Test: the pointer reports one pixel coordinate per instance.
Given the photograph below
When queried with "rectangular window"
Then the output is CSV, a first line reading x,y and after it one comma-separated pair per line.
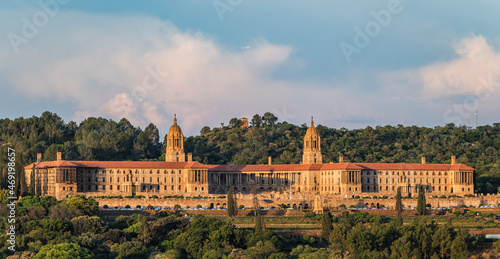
x,y
118,187
111,187
104,187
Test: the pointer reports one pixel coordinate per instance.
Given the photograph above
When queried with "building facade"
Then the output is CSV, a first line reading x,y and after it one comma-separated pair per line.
x,y
312,177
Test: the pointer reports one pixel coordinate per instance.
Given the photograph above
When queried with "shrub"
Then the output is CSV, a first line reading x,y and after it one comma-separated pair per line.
x,y
150,207
471,213
309,215
385,197
243,206
442,196
428,205
356,197
352,206
221,207
463,206
84,224
375,197
127,206
62,250
138,206
342,206
188,207
199,206
105,206
469,195
381,206
177,206
154,196
489,215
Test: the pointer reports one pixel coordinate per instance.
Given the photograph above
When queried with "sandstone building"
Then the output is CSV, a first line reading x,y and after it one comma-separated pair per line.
x,y
176,176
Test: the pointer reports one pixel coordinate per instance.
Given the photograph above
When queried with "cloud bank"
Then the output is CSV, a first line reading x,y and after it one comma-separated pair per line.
x,y
146,69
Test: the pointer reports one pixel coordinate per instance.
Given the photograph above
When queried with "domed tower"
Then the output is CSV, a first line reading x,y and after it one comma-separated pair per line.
x,y
312,146
175,144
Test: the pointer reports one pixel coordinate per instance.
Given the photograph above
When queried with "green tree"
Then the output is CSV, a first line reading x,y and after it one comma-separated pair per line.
x,y
22,178
88,206
459,246
269,118
86,224
32,182
259,224
326,225
64,212
230,203
442,240
130,250
205,130
421,201
235,123
256,121
145,231
399,208
62,250
339,234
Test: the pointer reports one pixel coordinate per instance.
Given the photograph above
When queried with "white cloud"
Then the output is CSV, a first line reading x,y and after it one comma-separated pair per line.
x,y
146,69
476,61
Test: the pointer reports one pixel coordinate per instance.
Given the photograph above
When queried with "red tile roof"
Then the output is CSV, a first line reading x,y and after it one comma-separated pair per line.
x,y
119,164
415,167
252,168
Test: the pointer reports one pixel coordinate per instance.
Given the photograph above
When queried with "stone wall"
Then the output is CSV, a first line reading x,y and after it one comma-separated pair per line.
x,y
267,201
435,202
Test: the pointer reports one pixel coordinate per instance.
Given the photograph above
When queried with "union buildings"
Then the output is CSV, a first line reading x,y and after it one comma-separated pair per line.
x,y
176,176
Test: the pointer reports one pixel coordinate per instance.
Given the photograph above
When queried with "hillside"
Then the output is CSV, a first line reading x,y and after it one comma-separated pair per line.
x,y
103,139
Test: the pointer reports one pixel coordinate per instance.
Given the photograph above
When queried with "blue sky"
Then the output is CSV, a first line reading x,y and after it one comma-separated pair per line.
x,y
348,63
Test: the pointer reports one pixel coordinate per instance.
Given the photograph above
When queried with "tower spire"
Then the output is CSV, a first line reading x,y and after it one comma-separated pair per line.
x,y
312,121
175,119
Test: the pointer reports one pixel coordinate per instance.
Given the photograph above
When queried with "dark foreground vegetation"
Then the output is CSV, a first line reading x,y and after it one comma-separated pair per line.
x,y
72,228
103,139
